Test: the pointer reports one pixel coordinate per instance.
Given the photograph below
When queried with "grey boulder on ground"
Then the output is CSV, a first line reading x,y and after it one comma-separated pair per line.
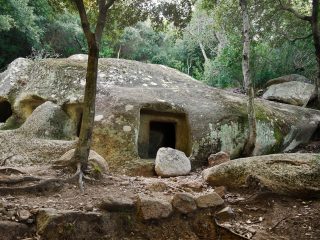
x,y
288,174
294,93
171,162
96,163
288,78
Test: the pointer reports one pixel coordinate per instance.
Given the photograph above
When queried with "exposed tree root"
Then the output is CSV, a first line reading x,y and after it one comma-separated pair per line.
x,y
11,180
9,170
48,185
42,186
78,176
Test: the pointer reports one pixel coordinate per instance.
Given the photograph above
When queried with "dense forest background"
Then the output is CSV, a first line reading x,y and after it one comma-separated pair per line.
x,y
201,38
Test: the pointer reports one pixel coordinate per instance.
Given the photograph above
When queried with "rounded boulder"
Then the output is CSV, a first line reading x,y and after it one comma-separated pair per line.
x,y
171,162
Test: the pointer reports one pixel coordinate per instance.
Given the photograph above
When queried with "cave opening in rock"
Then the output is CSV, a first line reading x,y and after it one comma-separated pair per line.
x,y
162,129
316,135
5,111
161,134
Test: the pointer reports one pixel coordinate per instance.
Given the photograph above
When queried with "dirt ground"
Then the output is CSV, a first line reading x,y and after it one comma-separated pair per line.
x,y
254,215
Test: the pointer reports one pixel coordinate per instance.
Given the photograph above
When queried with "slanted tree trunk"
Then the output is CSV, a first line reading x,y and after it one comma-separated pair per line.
x,y
247,82
93,39
204,54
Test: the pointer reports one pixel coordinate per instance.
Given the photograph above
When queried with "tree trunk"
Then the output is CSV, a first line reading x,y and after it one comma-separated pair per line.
x,y
119,51
316,42
189,64
206,59
83,146
250,142
93,39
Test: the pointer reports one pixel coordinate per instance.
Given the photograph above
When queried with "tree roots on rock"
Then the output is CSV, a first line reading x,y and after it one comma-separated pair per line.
x,y
22,183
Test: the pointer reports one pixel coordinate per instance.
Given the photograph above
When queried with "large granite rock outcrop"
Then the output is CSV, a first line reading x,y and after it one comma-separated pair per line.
x,y
289,174
142,107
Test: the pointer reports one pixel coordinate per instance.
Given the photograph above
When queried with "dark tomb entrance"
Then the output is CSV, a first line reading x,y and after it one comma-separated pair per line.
x,y
5,111
162,129
162,134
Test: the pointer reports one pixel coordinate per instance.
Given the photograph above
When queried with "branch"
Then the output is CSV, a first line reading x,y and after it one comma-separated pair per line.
x,y
84,19
103,8
109,3
294,12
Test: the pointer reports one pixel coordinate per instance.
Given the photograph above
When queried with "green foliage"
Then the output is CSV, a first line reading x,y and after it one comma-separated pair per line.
x,y
141,42
27,25
64,35
275,50
168,33
225,70
6,22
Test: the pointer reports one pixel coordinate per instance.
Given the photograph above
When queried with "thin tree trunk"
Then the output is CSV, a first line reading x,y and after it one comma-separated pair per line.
x,y
250,143
119,51
246,45
206,59
189,65
316,41
93,39
84,143
203,51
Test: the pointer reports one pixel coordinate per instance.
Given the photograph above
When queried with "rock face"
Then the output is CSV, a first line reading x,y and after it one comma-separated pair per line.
x,y
288,78
151,208
122,203
218,158
171,162
86,224
14,77
290,174
139,109
184,202
209,199
74,225
11,230
294,93
79,57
